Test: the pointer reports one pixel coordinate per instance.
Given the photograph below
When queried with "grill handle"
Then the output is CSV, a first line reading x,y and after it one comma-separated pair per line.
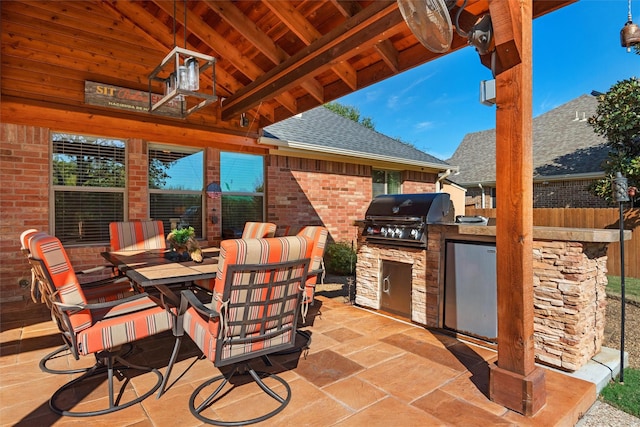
x,y
394,219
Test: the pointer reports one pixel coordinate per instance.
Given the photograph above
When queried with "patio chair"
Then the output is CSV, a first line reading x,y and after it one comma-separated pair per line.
x,y
318,236
258,230
252,230
94,328
98,291
253,313
137,235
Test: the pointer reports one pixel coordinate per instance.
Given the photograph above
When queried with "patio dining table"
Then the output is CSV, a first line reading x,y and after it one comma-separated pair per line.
x,y
160,268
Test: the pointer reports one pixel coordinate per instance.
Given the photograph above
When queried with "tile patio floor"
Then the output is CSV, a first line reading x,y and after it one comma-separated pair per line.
x,y
362,369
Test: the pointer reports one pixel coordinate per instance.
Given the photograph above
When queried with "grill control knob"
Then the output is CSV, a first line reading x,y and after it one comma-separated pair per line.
x,y
383,231
370,230
397,232
414,233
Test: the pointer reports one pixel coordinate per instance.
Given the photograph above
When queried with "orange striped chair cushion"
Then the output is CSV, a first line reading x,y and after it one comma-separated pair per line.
x,y
95,294
258,230
109,292
25,237
137,235
252,230
318,236
124,323
97,330
62,278
244,251
198,328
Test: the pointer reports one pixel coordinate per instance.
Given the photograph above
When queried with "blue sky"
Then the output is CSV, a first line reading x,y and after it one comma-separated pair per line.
x,y
575,50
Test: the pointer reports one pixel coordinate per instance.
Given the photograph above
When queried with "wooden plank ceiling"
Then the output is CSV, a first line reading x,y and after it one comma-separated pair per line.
x,y
274,58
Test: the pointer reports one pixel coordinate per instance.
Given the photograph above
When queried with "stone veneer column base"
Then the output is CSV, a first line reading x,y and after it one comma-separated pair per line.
x,y
523,394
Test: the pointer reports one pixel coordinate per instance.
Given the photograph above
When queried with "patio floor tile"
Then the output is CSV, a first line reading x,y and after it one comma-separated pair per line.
x,y
361,369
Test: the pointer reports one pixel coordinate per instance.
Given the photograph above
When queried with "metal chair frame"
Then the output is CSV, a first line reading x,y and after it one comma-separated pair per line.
x,y
38,294
297,272
105,359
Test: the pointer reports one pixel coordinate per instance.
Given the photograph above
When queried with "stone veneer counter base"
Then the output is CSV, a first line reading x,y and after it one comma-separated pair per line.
x,y
569,284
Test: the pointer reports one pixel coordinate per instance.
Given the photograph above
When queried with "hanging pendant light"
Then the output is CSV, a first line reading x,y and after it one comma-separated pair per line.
x,y
630,33
180,73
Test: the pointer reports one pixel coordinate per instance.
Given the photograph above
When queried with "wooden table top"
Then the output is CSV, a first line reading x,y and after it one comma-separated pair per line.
x,y
160,266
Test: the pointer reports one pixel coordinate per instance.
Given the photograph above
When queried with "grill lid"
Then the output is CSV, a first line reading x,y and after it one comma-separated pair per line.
x,y
427,207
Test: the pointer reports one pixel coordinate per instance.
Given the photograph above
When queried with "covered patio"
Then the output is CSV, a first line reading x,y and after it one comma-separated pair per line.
x,y
275,59
362,368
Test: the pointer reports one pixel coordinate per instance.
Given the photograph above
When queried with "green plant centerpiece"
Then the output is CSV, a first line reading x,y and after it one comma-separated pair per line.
x,y
184,244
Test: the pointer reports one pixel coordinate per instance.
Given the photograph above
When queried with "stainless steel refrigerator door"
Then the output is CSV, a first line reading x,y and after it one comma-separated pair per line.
x,y
470,297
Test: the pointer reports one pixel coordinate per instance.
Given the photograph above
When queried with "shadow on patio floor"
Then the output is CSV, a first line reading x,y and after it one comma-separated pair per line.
x,y
362,368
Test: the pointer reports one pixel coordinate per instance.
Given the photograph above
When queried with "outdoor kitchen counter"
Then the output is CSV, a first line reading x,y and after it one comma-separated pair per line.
x,y
570,279
551,233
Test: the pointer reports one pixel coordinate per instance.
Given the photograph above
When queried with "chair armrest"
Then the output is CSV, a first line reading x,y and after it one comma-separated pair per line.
x,y
315,272
105,282
190,299
93,270
99,305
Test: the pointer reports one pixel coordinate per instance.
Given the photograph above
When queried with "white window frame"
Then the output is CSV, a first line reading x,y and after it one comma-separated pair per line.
x,y
187,150
53,188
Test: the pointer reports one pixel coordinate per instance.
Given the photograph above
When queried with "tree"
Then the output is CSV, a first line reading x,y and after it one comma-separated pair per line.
x,y
617,119
351,113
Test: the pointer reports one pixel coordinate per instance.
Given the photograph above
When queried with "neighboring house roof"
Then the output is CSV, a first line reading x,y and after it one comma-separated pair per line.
x,y
564,146
321,131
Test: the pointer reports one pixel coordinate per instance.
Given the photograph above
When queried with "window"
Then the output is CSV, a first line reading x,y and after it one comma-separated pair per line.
x,y
88,187
242,183
176,179
386,182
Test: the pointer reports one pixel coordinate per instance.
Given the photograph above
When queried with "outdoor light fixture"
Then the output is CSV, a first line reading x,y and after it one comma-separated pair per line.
x,y
214,192
180,74
621,194
630,33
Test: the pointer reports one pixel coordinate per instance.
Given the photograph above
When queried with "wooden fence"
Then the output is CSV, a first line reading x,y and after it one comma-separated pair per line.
x,y
608,218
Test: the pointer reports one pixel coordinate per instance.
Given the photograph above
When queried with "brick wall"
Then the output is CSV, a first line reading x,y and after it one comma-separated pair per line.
x,y
305,191
418,182
566,194
473,197
137,179
299,192
24,199
547,194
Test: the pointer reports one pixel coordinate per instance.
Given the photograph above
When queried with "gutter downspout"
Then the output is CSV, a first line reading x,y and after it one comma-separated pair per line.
x,y
441,177
482,196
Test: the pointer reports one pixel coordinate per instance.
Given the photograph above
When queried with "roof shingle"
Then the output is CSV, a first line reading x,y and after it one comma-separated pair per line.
x,y
563,144
324,128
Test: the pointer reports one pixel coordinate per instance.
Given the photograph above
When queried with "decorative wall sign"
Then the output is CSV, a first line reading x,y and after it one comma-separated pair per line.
x,y
121,98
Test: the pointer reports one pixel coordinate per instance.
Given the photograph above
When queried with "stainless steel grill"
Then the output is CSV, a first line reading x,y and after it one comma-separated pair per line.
x,y
402,219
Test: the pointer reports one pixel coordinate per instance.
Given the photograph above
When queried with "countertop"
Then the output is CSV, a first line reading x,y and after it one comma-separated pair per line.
x,y
549,233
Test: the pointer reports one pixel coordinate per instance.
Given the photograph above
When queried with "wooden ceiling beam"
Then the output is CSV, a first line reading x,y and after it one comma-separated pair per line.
x,y
234,17
332,47
385,47
347,8
288,101
224,50
542,7
306,32
249,30
314,88
389,54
